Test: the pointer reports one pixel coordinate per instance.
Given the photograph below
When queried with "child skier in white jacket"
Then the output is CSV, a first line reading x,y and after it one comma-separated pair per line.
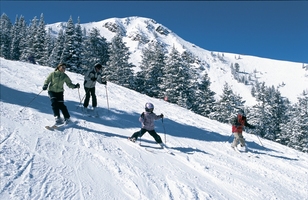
x,y
147,119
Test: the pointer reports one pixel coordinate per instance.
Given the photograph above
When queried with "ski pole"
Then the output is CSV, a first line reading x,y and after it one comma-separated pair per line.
x,y
80,103
107,97
87,90
260,140
162,120
140,137
79,98
31,101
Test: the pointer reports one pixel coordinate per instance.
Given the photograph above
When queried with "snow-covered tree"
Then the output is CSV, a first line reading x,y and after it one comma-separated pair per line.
x,y
95,49
39,41
227,106
5,36
55,57
28,40
118,69
270,112
69,54
295,130
152,64
48,47
15,50
204,98
24,43
175,79
78,57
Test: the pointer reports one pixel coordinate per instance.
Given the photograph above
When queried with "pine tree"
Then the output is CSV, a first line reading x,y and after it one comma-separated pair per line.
x,y
152,64
175,79
262,116
15,50
95,49
296,129
39,41
227,106
78,57
28,40
5,36
270,112
204,99
119,70
48,47
23,32
188,86
69,51
55,57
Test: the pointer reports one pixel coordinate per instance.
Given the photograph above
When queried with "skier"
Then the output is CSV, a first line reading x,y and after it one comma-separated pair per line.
x,y
90,78
238,124
55,81
147,119
31,59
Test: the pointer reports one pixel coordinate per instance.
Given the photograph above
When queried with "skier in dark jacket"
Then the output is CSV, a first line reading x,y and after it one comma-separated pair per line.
x,y
237,129
31,59
90,79
147,119
55,81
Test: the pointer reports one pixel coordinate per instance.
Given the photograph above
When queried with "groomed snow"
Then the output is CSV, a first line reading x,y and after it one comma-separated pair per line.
x,y
92,158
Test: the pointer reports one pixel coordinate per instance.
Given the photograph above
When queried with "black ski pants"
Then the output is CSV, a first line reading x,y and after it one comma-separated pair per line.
x,y
153,133
57,104
90,92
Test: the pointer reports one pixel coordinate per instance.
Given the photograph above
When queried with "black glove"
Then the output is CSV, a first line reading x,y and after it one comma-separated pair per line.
x,y
45,87
93,79
77,85
104,82
142,115
161,115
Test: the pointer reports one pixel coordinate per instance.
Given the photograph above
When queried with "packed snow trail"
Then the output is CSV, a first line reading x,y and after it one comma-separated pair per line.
x,y
92,159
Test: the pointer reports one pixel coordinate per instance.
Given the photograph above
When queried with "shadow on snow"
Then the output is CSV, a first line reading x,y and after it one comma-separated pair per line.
x,y
119,119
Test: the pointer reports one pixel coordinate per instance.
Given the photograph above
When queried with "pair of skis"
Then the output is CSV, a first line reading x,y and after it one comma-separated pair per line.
x,y
239,151
58,126
248,152
161,148
55,126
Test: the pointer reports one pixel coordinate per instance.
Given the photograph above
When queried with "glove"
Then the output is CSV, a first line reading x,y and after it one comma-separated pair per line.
x,y
77,85
93,79
161,115
142,115
45,87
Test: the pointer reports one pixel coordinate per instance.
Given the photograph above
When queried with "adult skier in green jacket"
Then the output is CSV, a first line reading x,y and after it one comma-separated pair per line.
x,y
54,82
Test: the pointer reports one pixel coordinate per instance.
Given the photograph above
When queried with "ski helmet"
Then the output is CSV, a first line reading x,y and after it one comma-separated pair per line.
x,y
149,107
98,66
241,112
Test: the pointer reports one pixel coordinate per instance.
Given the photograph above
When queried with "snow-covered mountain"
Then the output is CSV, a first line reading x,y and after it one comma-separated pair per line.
x,y
92,159
137,32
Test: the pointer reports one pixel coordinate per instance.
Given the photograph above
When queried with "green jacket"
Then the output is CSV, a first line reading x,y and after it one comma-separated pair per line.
x,y
56,80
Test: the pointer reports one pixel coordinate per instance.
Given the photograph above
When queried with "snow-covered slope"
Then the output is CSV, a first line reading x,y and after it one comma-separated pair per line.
x,y
92,159
138,32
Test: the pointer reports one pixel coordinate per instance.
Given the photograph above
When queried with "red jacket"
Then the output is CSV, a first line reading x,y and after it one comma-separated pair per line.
x,y
241,122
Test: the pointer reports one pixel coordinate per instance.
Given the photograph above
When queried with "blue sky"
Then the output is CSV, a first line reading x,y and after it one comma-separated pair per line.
x,y
269,29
